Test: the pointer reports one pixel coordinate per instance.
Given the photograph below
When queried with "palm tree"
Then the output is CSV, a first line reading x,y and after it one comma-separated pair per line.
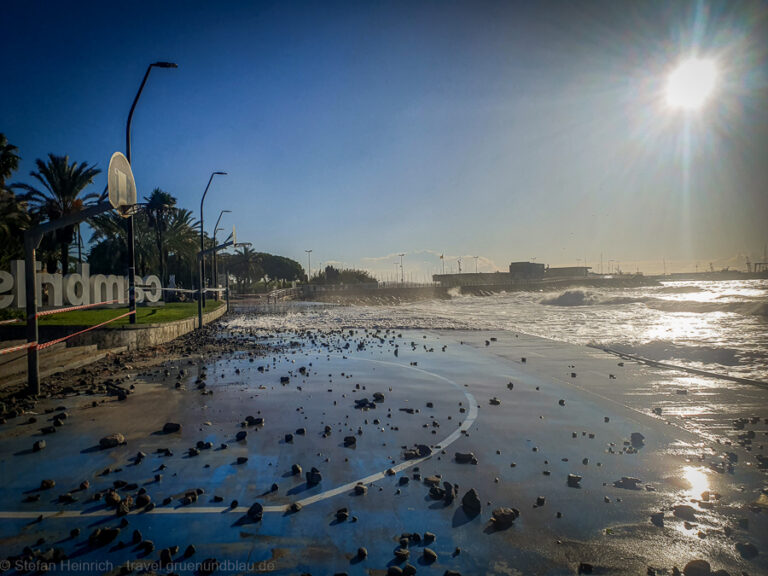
x,y
9,160
158,207
13,210
181,242
246,267
13,221
62,185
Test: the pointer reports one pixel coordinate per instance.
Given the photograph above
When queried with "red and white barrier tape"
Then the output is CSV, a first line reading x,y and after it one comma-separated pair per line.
x,y
71,308
17,348
11,321
52,342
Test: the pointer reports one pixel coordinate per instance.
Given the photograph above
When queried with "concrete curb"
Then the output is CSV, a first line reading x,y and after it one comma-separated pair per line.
x,y
140,336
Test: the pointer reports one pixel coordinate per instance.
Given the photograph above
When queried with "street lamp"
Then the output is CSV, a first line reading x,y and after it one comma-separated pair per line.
x,y
202,235
215,266
131,228
309,264
402,276
475,257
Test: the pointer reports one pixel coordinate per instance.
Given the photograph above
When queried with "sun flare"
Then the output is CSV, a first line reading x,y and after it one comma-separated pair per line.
x,y
691,84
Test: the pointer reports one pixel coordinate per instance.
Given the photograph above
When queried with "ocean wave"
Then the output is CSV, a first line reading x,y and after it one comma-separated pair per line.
x,y
661,350
589,298
759,308
680,289
750,307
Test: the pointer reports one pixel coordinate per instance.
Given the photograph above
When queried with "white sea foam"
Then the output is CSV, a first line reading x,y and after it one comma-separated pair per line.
x,y
721,326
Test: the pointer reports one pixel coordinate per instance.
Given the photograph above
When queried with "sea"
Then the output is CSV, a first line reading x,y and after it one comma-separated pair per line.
x,y
716,326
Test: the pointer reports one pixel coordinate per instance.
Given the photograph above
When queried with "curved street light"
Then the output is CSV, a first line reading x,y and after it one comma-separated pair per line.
x,y
202,236
131,228
309,264
215,266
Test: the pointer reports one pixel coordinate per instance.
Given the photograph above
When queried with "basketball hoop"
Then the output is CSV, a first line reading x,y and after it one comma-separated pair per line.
x,y
128,210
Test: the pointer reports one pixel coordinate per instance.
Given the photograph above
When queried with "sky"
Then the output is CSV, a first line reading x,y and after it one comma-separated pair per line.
x,y
361,130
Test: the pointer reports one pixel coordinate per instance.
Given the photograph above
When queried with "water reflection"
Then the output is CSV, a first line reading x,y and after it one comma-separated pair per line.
x,y
697,478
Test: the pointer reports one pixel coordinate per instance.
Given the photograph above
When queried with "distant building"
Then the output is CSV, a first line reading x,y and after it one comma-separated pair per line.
x,y
568,272
526,270
520,274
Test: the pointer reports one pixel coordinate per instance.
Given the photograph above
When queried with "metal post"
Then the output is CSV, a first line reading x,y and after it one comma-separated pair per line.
x,y
131,227
32,239
33,368
227,283
215,262
199,291
214,276
201,262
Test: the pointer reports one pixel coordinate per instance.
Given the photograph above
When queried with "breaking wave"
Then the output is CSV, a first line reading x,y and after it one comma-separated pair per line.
x,y
748,307
589,298
742,308
717,326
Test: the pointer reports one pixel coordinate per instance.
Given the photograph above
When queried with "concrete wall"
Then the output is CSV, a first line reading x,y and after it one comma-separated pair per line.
x,y
135,337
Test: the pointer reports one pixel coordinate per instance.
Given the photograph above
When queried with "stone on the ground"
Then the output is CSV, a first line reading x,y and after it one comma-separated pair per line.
x,y
465,458
697,567
255,512
112,441
747,549
314,477
103,536
573,480
470,503
628,483
171,427
685,512
504,517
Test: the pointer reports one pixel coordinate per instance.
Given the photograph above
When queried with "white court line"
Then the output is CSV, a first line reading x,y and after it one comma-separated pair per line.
x,y
450,439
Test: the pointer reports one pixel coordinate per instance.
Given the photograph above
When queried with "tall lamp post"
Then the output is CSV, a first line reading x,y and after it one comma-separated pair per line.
x,y
402,276
309,264
475,257
215,266
202,236
131,228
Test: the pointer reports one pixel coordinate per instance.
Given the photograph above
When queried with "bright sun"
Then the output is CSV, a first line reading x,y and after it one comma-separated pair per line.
x,y
691,83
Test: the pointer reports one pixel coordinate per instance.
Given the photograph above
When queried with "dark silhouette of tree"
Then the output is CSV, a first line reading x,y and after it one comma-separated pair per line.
x,y
62,185
9,160
14,218
158,208
332,275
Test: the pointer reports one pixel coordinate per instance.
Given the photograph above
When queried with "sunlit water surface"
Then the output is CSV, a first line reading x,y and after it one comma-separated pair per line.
x,y
716,326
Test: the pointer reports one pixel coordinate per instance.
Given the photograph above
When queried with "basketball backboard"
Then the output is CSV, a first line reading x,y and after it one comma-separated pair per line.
x,y
122,187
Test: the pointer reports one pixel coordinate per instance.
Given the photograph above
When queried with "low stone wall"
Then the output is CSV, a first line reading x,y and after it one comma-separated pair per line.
x,y
139,336
135,337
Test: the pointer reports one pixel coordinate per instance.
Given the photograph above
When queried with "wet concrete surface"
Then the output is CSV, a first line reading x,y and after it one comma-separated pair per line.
x,y
529,424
